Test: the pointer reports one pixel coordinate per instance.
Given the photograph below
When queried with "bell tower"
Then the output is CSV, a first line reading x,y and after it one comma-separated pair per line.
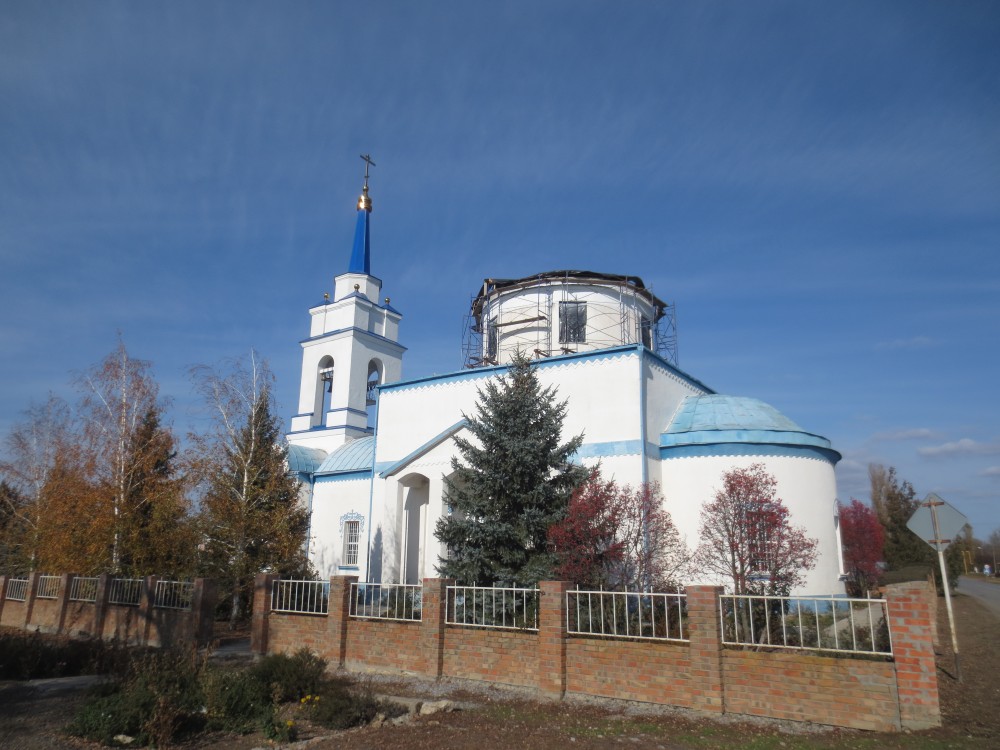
x,y
352,347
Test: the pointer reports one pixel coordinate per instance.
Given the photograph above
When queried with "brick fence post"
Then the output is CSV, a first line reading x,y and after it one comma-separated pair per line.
x,y
706,647
101,604
204,600
29,602
62,603
3,594
912,634
147,602
262,585
338,613
552,637
433,611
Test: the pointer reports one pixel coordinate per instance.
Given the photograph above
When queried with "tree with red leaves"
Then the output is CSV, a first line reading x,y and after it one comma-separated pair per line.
x,y
747,537
863,540
618,537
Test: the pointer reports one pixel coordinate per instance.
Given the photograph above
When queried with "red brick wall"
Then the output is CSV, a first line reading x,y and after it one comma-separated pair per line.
x,y
13,613
654,672
802,687
509,657
288,633
45,615
81,619
123,623
385,645
861,693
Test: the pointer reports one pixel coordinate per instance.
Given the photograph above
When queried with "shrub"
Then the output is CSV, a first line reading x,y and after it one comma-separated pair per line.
x,y
291,677
336,706
158,697
237,701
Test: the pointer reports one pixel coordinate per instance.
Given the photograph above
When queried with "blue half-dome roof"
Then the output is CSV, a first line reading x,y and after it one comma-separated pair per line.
x,y
357,455
715,420
304,460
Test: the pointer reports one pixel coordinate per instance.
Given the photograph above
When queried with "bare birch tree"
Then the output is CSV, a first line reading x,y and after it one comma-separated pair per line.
x,y
251,520
33,450
125,441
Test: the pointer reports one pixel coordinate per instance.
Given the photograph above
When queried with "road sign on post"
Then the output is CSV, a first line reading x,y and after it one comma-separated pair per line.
x,y
939,524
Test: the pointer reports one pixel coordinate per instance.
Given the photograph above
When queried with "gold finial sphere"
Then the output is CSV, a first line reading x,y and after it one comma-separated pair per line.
x,y
364,202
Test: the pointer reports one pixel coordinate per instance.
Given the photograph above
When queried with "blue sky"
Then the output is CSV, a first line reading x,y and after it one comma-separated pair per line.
x,y
815,185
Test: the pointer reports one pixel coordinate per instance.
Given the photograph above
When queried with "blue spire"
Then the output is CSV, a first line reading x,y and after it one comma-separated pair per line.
x,y
361,254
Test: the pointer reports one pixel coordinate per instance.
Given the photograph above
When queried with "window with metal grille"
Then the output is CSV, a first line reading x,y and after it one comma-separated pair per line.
x,y
646,332
572,322
492,339
352,533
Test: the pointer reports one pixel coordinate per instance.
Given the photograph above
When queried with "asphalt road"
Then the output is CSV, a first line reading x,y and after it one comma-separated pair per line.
x,y
982,590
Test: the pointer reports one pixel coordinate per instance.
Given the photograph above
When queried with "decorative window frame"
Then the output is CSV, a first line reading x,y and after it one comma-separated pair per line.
x,y
352,517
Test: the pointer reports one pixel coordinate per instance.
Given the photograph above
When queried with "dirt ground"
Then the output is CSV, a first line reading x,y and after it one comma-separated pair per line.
x,y
32,714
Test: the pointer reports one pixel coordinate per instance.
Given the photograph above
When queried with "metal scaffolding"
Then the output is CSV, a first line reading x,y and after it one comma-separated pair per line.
x,y
611,321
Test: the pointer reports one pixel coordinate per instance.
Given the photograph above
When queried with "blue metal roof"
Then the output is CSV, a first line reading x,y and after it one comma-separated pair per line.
x,y
715,419
718,412
356,455
304,460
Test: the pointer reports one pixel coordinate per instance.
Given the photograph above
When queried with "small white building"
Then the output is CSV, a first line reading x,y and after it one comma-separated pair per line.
x,y
373,450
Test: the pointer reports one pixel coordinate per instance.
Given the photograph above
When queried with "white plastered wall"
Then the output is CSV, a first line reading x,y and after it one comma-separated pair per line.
x,y
332,500
806,485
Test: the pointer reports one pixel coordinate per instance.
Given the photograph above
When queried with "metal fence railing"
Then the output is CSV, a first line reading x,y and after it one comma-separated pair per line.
x,y
387,601
301,597
17,589
173,595
83,589
48,587
493,607
125,591
859,626
627,614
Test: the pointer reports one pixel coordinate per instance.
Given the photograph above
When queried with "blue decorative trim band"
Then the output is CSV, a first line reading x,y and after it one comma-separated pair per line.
x,y
557,361
362,430
756,437
612,448
751,449
348,409
344,476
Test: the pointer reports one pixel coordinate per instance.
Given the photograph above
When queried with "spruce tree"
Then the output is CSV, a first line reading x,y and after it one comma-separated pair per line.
x,y
510,483
895,502
251,518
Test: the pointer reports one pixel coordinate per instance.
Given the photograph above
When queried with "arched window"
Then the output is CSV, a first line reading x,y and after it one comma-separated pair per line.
x,y
375,369
324,389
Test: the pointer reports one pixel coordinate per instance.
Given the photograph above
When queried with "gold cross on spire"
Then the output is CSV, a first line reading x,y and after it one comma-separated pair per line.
x,y
364,202
367,159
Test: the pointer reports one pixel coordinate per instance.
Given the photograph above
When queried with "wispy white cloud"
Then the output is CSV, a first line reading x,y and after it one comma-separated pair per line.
x,y
992,471
914,342
915,433
963,447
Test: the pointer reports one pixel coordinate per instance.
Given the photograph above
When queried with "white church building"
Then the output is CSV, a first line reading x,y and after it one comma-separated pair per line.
x,y
373,450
